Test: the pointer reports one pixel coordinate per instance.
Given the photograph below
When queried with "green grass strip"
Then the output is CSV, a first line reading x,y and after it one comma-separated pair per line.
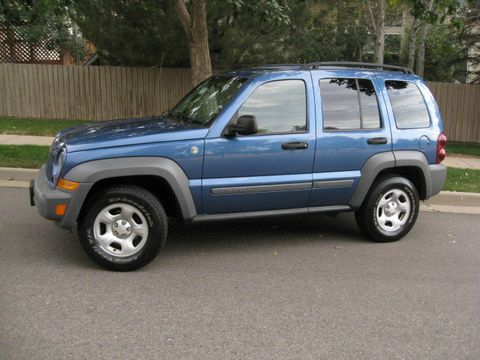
x,y
24,156
32,156
461,148
40,127
466,180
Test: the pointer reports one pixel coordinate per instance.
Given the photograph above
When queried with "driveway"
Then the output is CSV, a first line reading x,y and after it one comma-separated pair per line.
x,y
303,288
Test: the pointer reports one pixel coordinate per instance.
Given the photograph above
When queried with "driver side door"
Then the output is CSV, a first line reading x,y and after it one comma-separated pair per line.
x,y
269,170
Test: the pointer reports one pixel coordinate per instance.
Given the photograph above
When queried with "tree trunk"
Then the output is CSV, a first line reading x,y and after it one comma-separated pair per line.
x,y
422,33
411,42
194,23
379,36
412,45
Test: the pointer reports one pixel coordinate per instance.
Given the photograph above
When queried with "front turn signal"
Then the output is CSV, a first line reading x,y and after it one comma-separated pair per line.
x,y
68,185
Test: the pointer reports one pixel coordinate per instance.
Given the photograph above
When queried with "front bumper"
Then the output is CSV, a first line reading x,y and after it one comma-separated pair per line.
x,y
46,200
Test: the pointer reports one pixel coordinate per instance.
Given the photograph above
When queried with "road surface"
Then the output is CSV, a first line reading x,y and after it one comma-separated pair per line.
x,y
296,288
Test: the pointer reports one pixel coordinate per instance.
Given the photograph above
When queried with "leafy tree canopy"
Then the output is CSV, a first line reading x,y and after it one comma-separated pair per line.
x,y
47,20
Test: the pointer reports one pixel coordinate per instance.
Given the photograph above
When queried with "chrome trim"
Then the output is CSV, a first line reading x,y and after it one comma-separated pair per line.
x,y
332,184
251,189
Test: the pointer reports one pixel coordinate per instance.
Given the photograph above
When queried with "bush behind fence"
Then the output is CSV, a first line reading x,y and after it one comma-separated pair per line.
x,y
109,92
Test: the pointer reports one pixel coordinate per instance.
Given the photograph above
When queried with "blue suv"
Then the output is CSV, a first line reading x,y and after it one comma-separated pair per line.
x,y
272,140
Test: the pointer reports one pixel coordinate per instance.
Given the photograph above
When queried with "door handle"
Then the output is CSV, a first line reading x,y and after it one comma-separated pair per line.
x,y
378,140
295,145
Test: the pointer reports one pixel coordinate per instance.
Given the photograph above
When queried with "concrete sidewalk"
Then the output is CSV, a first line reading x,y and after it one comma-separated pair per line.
x,y
462,162
25,140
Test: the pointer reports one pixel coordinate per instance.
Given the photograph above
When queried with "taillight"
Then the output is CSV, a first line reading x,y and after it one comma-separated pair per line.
x,y
441,143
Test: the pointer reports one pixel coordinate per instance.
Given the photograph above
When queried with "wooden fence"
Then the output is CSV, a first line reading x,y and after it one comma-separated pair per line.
x,y
460,107
108,92
89,92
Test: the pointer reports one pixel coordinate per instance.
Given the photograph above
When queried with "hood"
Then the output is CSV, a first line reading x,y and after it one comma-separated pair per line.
x,y
128,132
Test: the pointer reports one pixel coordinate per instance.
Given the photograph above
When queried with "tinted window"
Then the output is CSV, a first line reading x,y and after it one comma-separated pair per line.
x,y
349,104
408,106
279,106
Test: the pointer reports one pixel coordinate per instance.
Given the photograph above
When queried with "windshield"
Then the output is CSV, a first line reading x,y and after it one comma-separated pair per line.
x,y
203,103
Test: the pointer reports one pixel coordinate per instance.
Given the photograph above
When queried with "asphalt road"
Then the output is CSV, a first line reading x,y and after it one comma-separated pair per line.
x,y
303,287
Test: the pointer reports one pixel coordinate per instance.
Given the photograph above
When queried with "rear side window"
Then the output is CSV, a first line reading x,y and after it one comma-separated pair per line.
x,y
349,104
279,106
408,105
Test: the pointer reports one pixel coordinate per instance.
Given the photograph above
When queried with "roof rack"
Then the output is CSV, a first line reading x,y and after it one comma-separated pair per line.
x,y
275,66
316,65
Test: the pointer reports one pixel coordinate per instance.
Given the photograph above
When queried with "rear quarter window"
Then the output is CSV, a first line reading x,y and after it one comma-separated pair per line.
x,y
408,105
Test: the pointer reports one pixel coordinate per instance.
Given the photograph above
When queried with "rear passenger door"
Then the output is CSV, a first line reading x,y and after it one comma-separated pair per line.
x,y
352,125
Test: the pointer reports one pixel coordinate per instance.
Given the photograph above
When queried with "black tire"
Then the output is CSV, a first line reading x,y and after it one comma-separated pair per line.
x,y
147,206
366,216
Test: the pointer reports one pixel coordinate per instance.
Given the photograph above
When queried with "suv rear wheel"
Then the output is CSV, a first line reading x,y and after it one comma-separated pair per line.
x,y
389,210
124,228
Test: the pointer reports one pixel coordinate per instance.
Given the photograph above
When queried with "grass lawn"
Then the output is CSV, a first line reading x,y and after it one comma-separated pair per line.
x,y
466,180
462,148
43,127
25,156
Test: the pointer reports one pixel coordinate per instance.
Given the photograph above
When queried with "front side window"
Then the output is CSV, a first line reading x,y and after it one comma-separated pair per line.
x,y
203,103
349,104
408,105
279,106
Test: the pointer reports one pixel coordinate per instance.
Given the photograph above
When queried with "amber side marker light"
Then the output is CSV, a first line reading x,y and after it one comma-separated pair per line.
x,y
67,185
60,209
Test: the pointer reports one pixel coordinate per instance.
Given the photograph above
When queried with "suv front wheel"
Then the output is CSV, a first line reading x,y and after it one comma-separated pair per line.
x,y
124,228
389,210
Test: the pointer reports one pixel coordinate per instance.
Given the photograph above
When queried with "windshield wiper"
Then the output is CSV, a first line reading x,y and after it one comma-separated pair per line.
x,y
182,117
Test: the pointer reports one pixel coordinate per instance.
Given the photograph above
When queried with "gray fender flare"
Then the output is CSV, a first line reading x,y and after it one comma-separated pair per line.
x,y
94,171
390,160
372,167
417,159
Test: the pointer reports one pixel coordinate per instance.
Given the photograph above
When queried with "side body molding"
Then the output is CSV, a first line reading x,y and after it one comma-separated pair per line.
x,y
93,171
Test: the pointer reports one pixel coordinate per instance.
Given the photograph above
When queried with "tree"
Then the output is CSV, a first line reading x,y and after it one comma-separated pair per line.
x,y
193,16
133,33
44,20
194,22
377,27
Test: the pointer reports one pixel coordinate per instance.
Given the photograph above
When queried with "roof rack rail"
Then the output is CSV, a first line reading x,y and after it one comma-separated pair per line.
x,y
267,66
315,65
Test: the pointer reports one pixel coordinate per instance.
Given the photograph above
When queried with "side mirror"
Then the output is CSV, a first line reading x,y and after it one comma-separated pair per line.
x,y
245,125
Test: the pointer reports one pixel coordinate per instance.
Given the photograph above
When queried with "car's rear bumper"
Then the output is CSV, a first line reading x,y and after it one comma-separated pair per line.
x,y
46,199
438,174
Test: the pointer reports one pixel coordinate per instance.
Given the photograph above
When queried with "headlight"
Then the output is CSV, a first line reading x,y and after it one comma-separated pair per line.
x,y
58,163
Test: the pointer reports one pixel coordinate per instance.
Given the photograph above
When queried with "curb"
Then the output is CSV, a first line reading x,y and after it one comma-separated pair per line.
x,y
455,198
16,175
20,178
